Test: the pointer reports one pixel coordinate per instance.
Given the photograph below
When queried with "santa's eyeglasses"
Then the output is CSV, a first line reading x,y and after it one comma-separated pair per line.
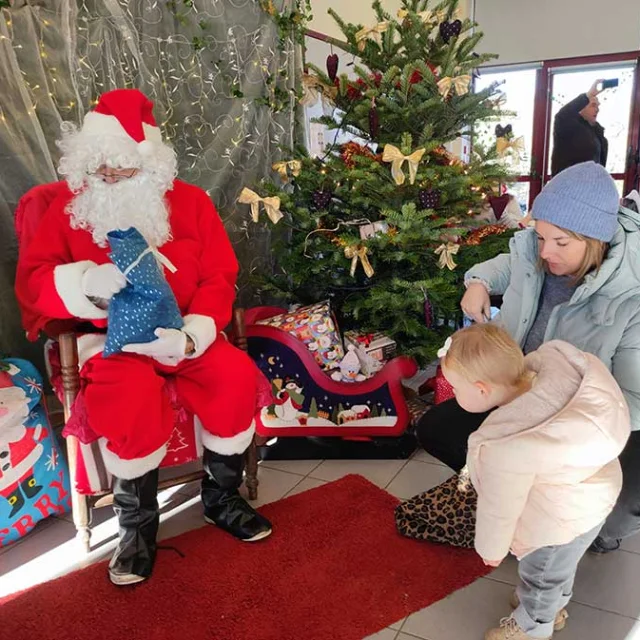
x,y
119,175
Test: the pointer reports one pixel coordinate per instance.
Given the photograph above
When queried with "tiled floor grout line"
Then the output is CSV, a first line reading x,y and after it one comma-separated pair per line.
x,y
615,613
286,495
406,462
433,464
412,635
583,604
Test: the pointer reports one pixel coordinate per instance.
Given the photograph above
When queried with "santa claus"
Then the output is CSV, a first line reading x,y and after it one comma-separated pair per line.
x,y
120,174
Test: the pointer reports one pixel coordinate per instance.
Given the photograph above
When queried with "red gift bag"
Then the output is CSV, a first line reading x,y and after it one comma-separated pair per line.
x,y
442,390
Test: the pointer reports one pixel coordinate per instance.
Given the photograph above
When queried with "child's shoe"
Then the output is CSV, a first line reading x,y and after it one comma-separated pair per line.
x,y
509,630
561,617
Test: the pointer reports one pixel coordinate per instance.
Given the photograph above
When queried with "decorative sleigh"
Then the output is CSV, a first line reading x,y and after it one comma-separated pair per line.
x,y
307,402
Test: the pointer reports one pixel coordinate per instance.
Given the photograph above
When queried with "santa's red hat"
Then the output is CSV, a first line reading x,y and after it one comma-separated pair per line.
x,y
126,114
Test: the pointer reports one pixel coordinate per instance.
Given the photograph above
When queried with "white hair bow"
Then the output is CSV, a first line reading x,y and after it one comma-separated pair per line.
x,y
445,349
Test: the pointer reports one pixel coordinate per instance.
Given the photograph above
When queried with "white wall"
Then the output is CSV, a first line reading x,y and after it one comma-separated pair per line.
x,y
532,30
357,12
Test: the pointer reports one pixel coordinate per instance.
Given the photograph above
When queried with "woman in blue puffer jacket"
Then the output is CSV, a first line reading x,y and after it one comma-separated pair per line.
x,y
575,277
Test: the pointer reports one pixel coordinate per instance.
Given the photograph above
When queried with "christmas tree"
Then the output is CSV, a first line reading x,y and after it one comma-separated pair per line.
x,y
386,226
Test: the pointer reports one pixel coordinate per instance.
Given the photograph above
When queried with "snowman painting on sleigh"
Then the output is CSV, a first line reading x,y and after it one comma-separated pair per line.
x,y
288,401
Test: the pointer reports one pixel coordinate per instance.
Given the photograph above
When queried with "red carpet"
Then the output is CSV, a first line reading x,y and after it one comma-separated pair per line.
x,y
334,569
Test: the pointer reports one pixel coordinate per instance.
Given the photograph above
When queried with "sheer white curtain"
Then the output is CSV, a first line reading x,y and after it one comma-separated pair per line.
x,y
212,67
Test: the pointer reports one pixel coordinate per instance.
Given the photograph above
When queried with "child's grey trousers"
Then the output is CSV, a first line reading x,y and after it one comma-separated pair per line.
x,y
546,587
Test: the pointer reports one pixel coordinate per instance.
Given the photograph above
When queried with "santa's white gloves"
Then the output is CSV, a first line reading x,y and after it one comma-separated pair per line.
x,y
169,349
103,282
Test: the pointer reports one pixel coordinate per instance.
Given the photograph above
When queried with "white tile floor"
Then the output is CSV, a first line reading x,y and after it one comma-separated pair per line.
x,y
607,594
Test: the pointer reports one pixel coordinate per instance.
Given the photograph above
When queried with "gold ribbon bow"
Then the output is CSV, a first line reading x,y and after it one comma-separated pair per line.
x,y
271,205
425,16
460,84
357,252
446,253
283,168
503,145
375,33
313,88
397,158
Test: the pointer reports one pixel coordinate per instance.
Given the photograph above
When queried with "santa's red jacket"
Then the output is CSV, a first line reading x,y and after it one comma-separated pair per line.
x,y
50,268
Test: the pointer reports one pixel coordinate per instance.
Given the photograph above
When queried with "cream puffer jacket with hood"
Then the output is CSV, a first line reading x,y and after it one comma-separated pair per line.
x,y
545,466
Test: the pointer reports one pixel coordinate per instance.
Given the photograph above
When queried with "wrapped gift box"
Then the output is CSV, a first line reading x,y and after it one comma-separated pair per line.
x,y
375,345
316,327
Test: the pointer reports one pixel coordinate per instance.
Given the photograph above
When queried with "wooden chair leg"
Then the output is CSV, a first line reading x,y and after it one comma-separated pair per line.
x,y
70,388
79,502
251,473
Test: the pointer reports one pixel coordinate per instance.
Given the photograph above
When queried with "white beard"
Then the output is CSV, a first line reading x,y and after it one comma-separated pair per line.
x,y
136,202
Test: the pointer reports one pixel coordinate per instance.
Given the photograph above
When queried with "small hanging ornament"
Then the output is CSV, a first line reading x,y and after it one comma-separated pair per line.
x,y
428,312
429,198
499,204
374,119
450,29
393,155
332,66
321,199
446,253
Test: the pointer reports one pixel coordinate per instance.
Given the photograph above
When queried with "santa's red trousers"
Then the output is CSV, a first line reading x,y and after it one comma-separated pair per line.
x,y
126,404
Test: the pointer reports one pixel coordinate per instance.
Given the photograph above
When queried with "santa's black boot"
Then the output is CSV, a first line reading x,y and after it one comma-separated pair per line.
x,y
136,505
223,505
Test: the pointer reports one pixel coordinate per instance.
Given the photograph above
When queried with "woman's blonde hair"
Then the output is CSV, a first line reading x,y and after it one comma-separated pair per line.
x,y
487,353
593,257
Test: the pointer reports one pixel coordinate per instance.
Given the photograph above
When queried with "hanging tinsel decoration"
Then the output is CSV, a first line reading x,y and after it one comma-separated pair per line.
x,y
429,198
350,149
321,199
332,66
374,120
478,235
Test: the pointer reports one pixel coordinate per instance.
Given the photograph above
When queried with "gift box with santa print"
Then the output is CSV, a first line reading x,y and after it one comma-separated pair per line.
x,y
34,480
315,326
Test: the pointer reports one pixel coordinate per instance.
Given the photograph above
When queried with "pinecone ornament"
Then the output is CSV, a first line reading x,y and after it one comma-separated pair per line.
x,y
429,198
332,66
374,120
321,199
428,312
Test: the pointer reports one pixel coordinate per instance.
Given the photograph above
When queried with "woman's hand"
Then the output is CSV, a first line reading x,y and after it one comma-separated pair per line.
x,y
596,88
476,303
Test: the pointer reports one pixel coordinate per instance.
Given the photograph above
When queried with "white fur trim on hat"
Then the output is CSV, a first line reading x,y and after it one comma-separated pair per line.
x,y
226,446
67,279
134,468
100,124
202,330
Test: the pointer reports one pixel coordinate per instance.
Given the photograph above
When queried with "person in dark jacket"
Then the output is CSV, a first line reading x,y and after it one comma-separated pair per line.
x,y
577,136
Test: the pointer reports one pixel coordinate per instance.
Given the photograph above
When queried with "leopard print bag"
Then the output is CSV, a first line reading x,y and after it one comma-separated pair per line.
x,y
445,514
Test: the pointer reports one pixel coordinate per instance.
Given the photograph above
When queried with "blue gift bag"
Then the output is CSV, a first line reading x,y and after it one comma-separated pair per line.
x,y
34,480
147,302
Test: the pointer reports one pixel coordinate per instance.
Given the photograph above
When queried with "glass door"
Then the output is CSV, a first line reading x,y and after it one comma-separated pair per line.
x,y
566,83
518,87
